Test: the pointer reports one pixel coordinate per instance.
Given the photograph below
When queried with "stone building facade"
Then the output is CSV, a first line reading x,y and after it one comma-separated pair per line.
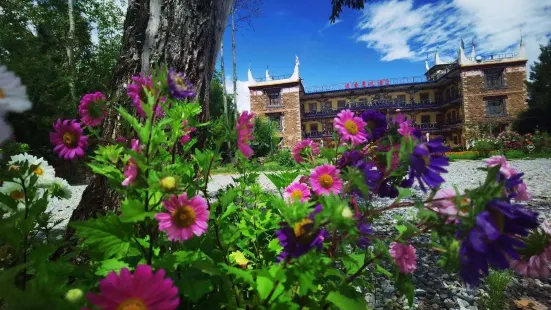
x,y
453,100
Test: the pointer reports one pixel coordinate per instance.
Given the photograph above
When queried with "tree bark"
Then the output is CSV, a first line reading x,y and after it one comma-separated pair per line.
x,y
184,34
69,47
234,63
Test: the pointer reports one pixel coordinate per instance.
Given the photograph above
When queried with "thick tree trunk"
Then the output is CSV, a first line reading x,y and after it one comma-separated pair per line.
x,y
184,34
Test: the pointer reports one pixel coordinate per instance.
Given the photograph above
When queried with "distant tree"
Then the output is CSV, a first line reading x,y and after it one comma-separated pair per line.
x,y
538,115
217,108
338,5
266,136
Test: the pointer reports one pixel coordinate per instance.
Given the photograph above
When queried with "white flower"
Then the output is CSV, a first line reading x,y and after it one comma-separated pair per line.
x,y
347,213
61,189
44,172
13,95
15,192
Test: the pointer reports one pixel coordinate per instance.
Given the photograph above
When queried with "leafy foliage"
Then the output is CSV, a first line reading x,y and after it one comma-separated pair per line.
x,y
497,297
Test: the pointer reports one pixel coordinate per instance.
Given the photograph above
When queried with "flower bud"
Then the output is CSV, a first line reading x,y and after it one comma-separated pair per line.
x,y
347,213
74,295
168,183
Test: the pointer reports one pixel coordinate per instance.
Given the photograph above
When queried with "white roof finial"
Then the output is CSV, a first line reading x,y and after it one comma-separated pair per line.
x,y
473,54
250,79
461,58
522,49
268,78
296,75
437,60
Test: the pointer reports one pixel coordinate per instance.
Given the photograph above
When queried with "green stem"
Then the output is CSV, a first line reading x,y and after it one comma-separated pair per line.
x,y
26,235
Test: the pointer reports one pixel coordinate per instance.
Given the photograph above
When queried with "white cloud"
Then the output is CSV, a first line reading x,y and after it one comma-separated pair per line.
x,y
329,24
243,95
402,29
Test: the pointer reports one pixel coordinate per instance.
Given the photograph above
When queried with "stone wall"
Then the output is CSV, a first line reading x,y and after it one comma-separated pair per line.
x,y
290,110
475,93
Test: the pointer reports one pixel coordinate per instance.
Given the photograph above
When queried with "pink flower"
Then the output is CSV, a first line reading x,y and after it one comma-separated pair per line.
x,y
92,109
184,217
350,127
444,204
135,145
69,139
130,172
547,226
520,190
244,128
296,191
305,149
186,132
325,180
506,170
141,290
404,125
537,266
404,256
136,92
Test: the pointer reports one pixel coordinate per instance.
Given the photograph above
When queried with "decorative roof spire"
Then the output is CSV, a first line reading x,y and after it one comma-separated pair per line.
x,y
268,78
437,60
250,79
461,58
522,49
427,65
296,75
473,54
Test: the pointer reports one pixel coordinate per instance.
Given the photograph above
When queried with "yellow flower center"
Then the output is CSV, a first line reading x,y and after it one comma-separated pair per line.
x,y
371,124
17,195
427,160
351,127
299,227
2,95
183,216
326,181
38,171
69,139
132,304
296,194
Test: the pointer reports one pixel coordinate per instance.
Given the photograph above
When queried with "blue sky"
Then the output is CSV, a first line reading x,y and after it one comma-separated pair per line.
x,y
387,39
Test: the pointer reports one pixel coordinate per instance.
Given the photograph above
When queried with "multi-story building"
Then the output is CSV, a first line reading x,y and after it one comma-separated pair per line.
x,y
451,100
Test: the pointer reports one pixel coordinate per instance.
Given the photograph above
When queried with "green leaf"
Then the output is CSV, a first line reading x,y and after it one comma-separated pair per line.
x,y
134,211
404,284
353,262
403,193
231,209
109,265
242,274
306,281
196,289
267,279
344,303
384,271
134,123
106,234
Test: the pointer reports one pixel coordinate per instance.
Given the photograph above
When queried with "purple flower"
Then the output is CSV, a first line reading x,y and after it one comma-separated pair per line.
x,y
387,189
180,87
376,123
352,158
302,238
427,162
357,160
492,239
365,231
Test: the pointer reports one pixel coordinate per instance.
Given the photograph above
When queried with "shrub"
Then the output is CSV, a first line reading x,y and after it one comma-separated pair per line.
x,y
484,147
469,155
267,136
283,158
510,140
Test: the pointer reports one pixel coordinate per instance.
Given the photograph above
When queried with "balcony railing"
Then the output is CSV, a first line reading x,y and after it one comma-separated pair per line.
x,y
494,84
434,126
367,84
378,104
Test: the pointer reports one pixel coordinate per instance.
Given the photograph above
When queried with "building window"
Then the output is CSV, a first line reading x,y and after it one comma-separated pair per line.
x,y
401,98
274,98
314,127
363,102
494,79
424,97
341,104
425,119
327,125
313,107
495,107
327,106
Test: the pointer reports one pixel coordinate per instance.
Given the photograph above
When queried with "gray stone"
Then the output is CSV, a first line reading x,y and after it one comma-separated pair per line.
x,y
420,292
463,305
